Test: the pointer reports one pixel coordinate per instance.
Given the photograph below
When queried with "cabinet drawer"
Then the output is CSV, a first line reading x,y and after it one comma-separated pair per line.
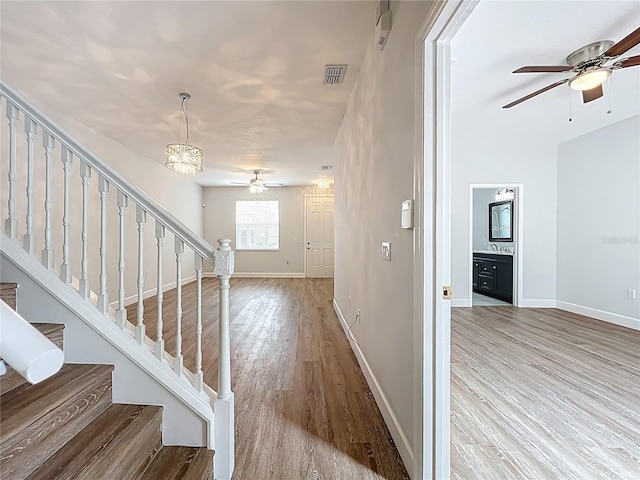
x,y
485,282
486,268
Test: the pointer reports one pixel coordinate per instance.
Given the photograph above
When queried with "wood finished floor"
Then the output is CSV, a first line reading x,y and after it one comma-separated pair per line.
x,y
542,394
303,408
535,394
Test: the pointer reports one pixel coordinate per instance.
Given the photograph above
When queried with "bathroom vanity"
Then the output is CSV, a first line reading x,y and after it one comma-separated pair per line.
x,y
493,274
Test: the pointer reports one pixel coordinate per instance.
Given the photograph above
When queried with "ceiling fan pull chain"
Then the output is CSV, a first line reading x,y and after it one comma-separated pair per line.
x,y
609,95
570,115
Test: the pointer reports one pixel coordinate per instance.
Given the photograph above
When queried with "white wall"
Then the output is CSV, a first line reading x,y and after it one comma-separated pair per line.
x,y
374,174
220,222
599,220
178,194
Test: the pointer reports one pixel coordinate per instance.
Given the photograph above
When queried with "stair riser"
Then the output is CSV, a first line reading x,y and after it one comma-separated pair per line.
x,y
33,445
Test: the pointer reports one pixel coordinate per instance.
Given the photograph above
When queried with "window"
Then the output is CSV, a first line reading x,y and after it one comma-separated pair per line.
x,y
257,224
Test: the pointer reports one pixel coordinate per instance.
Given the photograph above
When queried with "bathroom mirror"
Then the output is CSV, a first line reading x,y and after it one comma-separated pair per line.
x,y
500,221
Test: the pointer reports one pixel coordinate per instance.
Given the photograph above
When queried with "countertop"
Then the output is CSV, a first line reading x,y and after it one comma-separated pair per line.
x,y
493,252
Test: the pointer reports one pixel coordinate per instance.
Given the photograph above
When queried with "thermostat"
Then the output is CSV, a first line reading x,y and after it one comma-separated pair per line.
x,y
407,214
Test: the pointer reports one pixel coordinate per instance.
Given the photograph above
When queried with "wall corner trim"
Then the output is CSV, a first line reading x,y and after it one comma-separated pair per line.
x,y
398,434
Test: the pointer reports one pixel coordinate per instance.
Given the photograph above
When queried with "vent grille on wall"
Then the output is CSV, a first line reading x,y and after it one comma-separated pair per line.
x,y
326,167
334,74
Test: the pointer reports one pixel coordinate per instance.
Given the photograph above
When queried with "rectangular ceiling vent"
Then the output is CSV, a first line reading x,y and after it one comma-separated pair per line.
x,y
334,74
326,168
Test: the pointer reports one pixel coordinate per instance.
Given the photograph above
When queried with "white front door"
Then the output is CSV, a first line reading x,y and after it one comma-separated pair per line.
x,y
319,211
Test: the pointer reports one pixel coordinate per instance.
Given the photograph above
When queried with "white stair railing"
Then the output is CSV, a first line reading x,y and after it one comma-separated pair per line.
x,y
60,195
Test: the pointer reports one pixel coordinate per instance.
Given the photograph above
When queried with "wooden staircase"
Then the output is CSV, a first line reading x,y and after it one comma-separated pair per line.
x,y
67,427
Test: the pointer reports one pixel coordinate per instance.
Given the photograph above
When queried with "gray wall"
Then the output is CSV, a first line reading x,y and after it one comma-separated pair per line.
x,y
598,247
374,174
220,221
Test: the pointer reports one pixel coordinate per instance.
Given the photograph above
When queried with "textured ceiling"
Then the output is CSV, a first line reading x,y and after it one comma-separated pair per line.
x,y
500,36
254,70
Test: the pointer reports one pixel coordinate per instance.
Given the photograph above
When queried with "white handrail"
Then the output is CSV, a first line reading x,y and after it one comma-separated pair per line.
x,y
132,191
24,348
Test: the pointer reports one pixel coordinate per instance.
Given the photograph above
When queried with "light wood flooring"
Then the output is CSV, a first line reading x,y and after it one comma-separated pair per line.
x,y
542,394
303,408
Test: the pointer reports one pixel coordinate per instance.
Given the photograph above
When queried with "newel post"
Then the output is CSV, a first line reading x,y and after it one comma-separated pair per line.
x,y
223,407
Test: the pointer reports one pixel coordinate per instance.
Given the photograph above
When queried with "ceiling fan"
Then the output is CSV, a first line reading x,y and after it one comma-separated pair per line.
x,y
257,185
589,64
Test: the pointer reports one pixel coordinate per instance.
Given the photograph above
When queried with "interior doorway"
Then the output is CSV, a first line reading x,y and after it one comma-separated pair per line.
x,y
495,270
319,236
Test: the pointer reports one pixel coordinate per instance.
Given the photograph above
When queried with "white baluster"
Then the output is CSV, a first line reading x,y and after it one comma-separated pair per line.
x,y
121,313
30,129
159,345
141,218
223,269
223,406
178,361
11,223
103,296
198,378
85,174
65,268
48,142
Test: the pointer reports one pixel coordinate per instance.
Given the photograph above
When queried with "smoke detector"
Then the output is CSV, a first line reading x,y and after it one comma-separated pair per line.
x,y
334,74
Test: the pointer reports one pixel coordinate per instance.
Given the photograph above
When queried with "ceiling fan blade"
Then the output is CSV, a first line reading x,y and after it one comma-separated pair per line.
x,y
544,69
537,92
627,43
273,184
591,95
239,183
629,62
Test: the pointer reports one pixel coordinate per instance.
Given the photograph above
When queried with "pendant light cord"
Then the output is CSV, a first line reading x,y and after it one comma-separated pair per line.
x,y
186,117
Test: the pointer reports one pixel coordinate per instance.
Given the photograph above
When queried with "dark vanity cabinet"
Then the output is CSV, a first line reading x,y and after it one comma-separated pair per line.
x,y
493,275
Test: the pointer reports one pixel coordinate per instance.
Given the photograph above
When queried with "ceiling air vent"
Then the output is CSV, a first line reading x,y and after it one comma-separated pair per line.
x,y
326,167
334,74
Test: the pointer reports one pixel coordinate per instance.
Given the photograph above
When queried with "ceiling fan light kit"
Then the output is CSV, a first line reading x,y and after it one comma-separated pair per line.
x,y
183,158
589,79
589,64
257,185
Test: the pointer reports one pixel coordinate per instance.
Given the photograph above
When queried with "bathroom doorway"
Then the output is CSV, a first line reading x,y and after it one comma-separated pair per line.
x,y
495,244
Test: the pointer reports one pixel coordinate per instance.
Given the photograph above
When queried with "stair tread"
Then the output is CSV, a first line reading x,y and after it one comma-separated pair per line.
x,y
113,441
180,463
8,293
22,405
48,328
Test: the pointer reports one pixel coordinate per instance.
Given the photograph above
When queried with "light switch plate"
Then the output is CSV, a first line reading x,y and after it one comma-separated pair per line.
x,y
386,251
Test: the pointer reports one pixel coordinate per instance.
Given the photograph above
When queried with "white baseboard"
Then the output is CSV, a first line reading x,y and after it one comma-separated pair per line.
x,y
260,275
398,434
537,303
622,320
152,293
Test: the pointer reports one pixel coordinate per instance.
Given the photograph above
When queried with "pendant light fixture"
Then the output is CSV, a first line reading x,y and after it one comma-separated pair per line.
x,y
183,158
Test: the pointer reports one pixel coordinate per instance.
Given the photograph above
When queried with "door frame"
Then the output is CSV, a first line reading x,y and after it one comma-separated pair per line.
x,y
432,240
518,229
304,216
